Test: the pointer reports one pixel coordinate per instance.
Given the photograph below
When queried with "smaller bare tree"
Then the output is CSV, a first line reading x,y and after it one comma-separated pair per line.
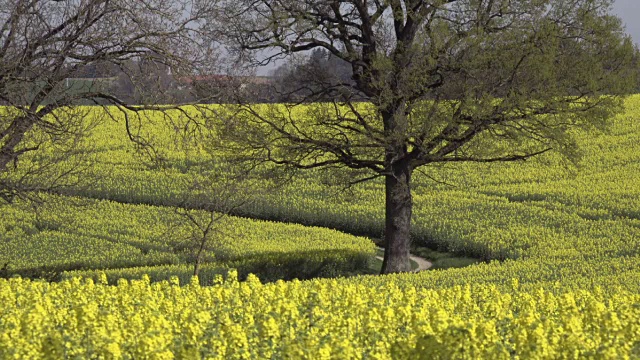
x,y
214,188
208,201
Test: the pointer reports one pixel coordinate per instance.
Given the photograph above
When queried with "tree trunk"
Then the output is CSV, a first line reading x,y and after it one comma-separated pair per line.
x,y
398,202
397,221
199,254
196,266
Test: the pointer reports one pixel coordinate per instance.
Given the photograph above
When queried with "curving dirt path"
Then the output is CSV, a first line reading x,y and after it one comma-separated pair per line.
x,y
423,264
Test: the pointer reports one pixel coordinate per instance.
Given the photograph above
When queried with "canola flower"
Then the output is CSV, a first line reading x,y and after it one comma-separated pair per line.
x,y
319,319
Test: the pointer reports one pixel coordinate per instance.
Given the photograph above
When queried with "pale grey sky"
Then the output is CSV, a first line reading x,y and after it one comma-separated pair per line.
x,y
629,12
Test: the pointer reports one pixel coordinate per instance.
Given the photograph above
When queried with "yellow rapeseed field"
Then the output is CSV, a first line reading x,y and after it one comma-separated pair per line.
x,y
320,319
561,278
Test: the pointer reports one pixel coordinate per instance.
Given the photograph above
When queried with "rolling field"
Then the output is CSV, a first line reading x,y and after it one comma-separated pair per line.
x,y
73,234
560,277
490,211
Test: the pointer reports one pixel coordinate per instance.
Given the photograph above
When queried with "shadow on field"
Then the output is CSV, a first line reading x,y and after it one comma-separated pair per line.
x,y
267,266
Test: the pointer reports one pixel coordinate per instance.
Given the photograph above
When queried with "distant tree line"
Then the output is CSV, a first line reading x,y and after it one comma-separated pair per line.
x,y
146,80
318,77
308,78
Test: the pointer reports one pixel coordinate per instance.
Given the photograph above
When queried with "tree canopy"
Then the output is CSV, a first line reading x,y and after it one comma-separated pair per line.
x,y
431,82
46,44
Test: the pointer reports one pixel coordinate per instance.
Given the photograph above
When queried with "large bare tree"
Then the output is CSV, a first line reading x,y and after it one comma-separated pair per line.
x,y
46,45
442,81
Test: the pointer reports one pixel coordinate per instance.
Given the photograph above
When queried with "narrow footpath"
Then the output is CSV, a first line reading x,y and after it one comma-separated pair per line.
x,y
423,264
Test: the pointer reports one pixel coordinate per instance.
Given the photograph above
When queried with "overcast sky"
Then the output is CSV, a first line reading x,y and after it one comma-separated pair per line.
x,y
629,11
